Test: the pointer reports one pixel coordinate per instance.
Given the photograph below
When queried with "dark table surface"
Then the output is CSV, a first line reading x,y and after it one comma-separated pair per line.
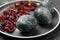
x,y
55,35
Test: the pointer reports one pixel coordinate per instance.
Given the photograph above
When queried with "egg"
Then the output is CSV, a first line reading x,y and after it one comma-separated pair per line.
x,y
43,15
26,23
47,3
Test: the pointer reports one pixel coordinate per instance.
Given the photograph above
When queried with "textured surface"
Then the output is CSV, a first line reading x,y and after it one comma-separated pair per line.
x,y
55,35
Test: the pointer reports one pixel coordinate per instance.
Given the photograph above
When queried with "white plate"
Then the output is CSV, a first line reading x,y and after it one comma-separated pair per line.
x,y
40,30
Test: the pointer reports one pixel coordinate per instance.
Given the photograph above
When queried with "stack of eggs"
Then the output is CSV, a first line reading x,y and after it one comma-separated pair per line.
x,y
42,14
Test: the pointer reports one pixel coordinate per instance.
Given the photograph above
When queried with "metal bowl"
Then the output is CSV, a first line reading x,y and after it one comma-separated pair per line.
x,y
39,31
